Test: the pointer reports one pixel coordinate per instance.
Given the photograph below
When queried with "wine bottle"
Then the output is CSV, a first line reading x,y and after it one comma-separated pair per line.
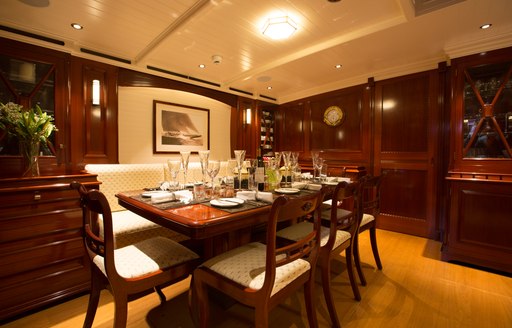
x,y
259,175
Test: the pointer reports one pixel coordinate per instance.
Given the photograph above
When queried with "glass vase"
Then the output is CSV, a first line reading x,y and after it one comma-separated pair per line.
x,y
29,151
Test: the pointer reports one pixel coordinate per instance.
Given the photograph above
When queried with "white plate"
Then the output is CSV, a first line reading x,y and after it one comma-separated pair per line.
x,y
226,202
287,190
330,183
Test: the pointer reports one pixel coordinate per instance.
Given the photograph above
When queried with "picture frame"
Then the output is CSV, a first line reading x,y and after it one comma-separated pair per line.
x,y
178,127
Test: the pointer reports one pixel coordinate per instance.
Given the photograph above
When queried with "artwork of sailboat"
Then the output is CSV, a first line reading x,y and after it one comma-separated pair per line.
x,y
178,129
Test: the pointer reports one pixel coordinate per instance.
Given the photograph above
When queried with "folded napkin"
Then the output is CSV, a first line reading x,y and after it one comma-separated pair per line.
x,y
299,185
314,186
265,196
246,195
340,179
162,197
185,196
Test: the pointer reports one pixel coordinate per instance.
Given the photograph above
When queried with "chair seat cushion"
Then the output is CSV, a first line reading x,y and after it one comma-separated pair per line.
x,y
299,230
147,256
246,266
128,222
367,218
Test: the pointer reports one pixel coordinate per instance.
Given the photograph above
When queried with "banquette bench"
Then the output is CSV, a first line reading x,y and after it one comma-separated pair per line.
x,y
128,226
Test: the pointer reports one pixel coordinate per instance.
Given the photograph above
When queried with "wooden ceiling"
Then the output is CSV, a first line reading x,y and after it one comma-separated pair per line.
x,y
369,38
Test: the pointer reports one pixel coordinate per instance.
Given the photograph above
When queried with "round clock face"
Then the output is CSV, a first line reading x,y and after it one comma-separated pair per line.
x,y
333,115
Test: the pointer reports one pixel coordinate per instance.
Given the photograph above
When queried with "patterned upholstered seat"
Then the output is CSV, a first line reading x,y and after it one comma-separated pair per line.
x,y
263,275
338,236
130,270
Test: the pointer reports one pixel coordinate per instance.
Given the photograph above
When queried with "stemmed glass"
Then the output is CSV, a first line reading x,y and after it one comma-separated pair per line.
x,y
174,169
315,156
294,162
319,163
203,159
184,164
287,166
213,170
239,157
251,165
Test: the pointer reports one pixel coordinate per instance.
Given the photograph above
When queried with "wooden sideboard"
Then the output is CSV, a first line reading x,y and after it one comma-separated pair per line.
x,y
43,258
480,222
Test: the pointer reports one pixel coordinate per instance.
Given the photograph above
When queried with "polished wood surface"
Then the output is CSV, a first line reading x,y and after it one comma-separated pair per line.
x,y
196,221
415,289
480,223
43,258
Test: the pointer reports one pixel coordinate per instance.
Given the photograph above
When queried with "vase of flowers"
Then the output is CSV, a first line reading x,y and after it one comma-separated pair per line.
x,y
30,127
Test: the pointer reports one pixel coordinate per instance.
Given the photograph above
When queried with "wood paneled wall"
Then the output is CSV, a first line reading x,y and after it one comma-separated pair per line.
x,y
391,127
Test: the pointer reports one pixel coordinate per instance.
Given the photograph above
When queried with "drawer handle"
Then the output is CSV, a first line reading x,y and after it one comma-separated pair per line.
x,y
37,196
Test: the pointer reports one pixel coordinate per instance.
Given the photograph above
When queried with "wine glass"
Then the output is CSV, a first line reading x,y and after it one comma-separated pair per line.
x,y
184,164
318,164
239,157
174,169
203,159
294,162
213,169
287,166
251,165
315,156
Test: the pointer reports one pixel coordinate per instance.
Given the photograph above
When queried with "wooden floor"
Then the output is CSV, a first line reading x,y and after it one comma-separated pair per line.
x,y
415,289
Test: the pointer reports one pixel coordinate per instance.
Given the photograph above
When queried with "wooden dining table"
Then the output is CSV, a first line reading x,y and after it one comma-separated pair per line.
x,y
215,229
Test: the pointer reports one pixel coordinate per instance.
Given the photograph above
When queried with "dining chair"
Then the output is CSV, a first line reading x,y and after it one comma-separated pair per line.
x,y
340,224
370,199
130,271
262,275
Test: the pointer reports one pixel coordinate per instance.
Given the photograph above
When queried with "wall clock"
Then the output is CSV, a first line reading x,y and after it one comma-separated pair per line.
x,y
334,116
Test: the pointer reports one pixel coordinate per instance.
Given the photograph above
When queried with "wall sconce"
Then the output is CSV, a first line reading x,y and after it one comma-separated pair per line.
x,y
247,116
96,94
279,27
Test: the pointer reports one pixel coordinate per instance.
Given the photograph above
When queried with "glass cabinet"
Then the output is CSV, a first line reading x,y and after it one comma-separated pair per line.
x,y
487,110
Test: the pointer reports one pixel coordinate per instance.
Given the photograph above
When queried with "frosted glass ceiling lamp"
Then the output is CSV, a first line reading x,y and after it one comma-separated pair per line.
x,y
279,27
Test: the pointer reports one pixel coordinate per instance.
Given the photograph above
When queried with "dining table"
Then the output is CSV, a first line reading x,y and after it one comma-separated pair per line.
x,y
214,229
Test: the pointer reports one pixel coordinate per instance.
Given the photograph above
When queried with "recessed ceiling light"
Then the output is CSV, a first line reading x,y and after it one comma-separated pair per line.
x,y
337,66
485,26
76,26
269,88
279,27
202,65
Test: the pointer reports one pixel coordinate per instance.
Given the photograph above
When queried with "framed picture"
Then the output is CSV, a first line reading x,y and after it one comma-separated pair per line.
x,y
179,127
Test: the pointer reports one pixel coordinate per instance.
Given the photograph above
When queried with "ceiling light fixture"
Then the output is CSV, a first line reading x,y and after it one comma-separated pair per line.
x,y
76,26
202,65
278,28
485,26
337,66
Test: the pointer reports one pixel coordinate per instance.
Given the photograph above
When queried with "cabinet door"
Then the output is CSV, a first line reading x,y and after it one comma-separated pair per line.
x,y
481,112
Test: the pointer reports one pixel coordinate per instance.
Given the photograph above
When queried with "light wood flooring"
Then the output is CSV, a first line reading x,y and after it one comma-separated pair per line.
x,y
415,289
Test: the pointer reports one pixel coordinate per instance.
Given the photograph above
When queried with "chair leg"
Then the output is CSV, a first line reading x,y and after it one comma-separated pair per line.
x,y
351,276
200,295
310,301
357,261
121,308
94,297
160,294
325,268
373,240
261,313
